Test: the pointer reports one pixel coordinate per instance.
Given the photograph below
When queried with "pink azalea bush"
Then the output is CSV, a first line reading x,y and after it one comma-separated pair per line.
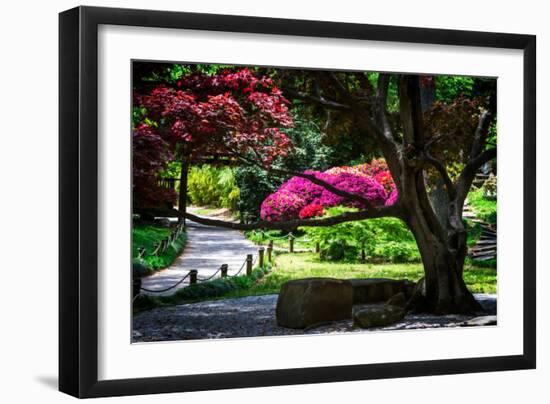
x,y
311,210
365,187
391,198
299,197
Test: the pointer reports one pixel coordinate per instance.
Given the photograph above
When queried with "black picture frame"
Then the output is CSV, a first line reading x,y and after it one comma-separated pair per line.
x,y
78,201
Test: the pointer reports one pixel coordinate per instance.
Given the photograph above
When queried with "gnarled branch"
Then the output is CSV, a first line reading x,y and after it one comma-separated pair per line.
x,y
375,212
329,187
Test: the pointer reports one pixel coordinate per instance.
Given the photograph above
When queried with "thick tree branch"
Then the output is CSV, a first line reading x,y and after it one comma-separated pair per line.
x,y
382,89
477,158
476,163
410,110
480,134
384,211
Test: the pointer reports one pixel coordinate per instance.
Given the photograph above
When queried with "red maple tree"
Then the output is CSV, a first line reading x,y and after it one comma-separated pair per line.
x,y
219,117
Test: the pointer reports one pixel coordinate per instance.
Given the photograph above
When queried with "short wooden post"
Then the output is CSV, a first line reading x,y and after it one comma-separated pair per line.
x,y
317,247
224,268
290,243
270,251
156,248
249,264
193,276
261,257
363,255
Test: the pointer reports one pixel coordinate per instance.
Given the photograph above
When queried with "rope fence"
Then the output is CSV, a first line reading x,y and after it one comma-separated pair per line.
x,y
290,237
248,263
161,247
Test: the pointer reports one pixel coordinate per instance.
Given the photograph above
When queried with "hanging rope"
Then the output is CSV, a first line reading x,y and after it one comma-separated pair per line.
x,y
240,269
167,289
210,277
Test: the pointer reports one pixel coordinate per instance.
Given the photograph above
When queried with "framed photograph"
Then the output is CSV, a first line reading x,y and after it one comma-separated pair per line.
x,y
251,201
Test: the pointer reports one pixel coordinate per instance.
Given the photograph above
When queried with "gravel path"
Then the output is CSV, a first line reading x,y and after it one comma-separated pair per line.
x,y
207,248
255,316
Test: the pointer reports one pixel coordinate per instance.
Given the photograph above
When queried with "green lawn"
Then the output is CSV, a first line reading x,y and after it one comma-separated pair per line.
x,y
304,265
486,209
146,235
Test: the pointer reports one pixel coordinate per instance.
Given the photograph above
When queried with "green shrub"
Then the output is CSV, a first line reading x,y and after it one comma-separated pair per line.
x,y
213,186
385,239
397,251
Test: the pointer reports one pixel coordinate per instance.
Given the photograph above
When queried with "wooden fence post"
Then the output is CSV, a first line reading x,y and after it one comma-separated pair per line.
x,y
193,276
156,249
270,250
224,270
261,257
249,264
290,243
317,248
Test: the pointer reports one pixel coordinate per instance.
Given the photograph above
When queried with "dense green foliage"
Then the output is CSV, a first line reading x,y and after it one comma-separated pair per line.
x,y
146,236
213,186
448,88
385,239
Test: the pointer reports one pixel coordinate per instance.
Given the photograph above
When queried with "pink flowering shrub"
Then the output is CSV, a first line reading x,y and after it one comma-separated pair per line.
x,y
391,198
280,206
311,210
299,197
365,187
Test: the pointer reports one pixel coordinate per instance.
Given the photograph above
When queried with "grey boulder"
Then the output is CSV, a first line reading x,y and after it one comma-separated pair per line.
x,y
306,302
376,290
378,315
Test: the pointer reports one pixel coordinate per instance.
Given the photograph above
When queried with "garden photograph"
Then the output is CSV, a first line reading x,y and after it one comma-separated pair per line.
x,y
271,201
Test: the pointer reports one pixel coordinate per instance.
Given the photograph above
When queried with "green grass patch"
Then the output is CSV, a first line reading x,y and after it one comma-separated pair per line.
x,y
485,209
147,235
306,265
287,267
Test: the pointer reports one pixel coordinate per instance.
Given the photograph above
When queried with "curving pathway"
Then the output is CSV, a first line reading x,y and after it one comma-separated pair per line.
x,y
207,248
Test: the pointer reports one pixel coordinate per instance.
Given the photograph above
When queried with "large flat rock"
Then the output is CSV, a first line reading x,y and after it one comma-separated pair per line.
x,y
375,290
306,302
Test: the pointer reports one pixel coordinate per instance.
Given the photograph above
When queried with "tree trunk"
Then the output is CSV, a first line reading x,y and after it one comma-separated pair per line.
x,y
182,198
444,290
